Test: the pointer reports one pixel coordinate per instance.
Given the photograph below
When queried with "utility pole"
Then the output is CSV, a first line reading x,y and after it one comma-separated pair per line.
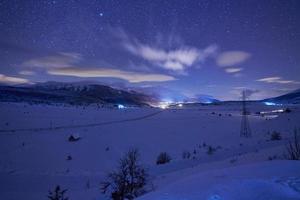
x,y
245,126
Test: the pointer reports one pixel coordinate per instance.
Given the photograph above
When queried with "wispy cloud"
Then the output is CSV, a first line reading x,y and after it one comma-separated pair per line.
x,y
10,80
71,64
133,77
233,69
249,93
229,58
277,79
60,60
176,59
27,72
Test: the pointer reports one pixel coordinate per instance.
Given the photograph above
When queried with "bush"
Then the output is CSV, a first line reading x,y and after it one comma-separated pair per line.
x,y
275,136
287,110
129,180
210,150
186,155
293,148
163,158
57,194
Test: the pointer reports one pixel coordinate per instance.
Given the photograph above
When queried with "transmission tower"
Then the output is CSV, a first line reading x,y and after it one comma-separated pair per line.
x,y
245,127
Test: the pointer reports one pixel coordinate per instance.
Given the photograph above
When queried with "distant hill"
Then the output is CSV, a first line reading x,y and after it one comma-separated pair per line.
x,y
290,98
171,95
72,93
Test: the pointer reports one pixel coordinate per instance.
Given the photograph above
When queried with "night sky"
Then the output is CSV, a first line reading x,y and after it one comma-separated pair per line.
x,y
176,47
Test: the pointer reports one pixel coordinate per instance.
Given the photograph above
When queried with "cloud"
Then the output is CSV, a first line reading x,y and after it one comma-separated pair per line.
x,y
71,64
277,79
12,80
229,58
233,70
176,59
27,72
132,77
60,60
249,93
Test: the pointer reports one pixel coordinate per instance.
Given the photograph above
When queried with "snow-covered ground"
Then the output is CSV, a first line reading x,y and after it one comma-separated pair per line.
x,y
275,180
34,148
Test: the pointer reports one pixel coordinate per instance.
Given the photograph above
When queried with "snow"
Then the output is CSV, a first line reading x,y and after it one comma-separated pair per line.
x,y
266,180
34,148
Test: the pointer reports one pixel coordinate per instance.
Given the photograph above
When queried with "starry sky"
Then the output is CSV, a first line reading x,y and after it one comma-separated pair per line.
x,y
178,48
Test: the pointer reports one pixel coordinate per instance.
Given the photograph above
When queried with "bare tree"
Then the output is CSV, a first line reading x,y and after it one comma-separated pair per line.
x,y
293,148
129,180
57,194
163,158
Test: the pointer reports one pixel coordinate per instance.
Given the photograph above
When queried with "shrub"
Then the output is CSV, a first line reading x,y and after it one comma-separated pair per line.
x,y
287,110
272,157
186,155
74,138
163,158
129,180
275,136
57,194
293,147
210,150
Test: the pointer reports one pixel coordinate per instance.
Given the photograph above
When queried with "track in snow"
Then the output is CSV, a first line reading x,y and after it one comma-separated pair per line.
x,y
80,125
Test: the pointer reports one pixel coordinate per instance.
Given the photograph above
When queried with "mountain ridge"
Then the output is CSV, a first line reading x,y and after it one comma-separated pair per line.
x,y
289,98
73,93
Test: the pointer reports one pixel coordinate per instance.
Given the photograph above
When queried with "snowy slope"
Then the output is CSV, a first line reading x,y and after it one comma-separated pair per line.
x,y
34,144
274,180
292,97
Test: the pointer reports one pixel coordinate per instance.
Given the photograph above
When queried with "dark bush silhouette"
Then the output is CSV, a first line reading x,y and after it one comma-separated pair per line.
x,y
186,155
293,147
163,158
287,110
129,180
210,150
73,138
275,136
57,194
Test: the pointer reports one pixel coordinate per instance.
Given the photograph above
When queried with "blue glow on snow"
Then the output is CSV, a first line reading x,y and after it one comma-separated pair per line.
x,y
120,106
270,103
215,197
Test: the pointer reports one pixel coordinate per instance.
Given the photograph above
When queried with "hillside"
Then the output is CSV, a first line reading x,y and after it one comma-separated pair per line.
x,y
72,93
292,97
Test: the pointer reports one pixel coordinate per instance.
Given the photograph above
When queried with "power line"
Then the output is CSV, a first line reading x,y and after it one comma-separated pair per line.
x,y
245,126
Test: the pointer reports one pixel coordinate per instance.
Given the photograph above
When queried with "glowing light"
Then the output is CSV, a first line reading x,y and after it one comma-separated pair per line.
x,y
272,111
120,106
270,103
163,106
278,111
180,105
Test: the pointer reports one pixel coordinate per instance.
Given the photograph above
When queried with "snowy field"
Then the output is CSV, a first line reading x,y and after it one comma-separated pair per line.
x,y
34,151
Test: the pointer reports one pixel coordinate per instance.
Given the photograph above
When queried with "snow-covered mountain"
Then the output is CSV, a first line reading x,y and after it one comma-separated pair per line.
x,y
72,93
94,93
292,97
